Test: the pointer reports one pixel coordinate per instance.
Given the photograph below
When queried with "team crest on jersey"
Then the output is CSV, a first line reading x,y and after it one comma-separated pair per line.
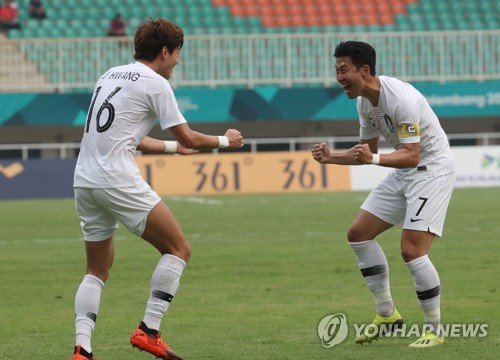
x,y
408,130
388,123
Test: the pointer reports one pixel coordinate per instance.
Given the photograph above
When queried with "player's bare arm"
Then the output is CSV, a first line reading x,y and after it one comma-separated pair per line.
x,y
406,157
195,140
151,145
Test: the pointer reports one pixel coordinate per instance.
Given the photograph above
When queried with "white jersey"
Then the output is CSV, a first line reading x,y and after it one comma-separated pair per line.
x,y
126,103
404,116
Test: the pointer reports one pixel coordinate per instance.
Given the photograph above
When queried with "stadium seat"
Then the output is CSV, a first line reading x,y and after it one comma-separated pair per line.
x,y
277,15
82,18
15,34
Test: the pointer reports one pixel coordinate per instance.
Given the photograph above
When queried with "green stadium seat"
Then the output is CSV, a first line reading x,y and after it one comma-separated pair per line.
x,y
208,21
76,24
359,28
447,24
117,5
426,7
79,13
315,29
31,24
239,22
28,33
212,31
64,13
492,24
442,7
223,21
254,21
133,23
414,8
44,33
225,30
15,34
60,23
93,13
463,26
433,26
70,32
57,32
374,28
59,4
189,3
389,28
403,26
457,17
108,13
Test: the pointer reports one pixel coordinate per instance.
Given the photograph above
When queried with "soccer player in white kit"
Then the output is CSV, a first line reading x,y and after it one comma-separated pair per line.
x,y
414,196
126,103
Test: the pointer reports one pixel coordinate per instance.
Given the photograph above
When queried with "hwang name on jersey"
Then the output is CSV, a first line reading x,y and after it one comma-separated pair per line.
x,y
120,75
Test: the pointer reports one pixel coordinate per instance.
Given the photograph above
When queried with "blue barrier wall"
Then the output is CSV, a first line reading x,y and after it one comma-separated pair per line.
x,y
33,179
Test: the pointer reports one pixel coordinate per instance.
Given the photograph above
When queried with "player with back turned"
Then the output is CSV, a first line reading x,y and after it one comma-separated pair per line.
x,y
109,188
414,196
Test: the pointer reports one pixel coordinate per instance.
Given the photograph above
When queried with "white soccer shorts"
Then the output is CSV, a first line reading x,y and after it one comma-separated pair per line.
x,y
417,204
100,210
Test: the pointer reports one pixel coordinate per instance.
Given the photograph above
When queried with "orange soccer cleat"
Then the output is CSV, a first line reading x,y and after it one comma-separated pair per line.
x,y
152,343
81,354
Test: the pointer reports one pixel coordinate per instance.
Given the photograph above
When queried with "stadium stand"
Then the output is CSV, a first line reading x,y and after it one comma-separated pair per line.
x,y
88,18
291,47
256,43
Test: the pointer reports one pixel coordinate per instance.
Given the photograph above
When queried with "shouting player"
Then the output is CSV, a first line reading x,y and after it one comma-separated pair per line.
x,y
414,196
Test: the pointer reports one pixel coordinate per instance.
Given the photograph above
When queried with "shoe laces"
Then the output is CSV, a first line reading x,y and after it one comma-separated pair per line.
x,y
160,342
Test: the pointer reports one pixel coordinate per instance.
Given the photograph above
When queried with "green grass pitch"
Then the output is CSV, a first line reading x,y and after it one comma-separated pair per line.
x,y
264,271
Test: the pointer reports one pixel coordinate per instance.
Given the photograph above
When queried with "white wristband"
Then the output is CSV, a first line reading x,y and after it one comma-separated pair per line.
x,y
223,142
170,147
376,159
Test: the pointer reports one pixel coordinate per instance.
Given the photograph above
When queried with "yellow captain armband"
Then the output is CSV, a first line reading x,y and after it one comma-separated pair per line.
x,y
408,130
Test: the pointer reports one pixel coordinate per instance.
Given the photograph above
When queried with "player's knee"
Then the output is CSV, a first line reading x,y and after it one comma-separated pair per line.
x,y
182,251
186,252
100,270
409,254
354,235
100,274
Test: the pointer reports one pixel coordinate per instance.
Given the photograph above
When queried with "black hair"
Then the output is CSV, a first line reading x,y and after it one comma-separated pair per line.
x,y
360,53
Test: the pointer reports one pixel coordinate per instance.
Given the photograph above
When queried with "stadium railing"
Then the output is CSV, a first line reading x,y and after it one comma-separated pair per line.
x,y
70,150
74,64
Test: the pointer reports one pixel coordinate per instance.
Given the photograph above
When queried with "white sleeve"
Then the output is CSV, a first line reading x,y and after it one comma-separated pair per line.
x,y
164,104
366,129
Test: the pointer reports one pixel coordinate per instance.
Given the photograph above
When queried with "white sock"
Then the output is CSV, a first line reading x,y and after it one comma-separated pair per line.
x,y
428,287
164,284
87,301
375,270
